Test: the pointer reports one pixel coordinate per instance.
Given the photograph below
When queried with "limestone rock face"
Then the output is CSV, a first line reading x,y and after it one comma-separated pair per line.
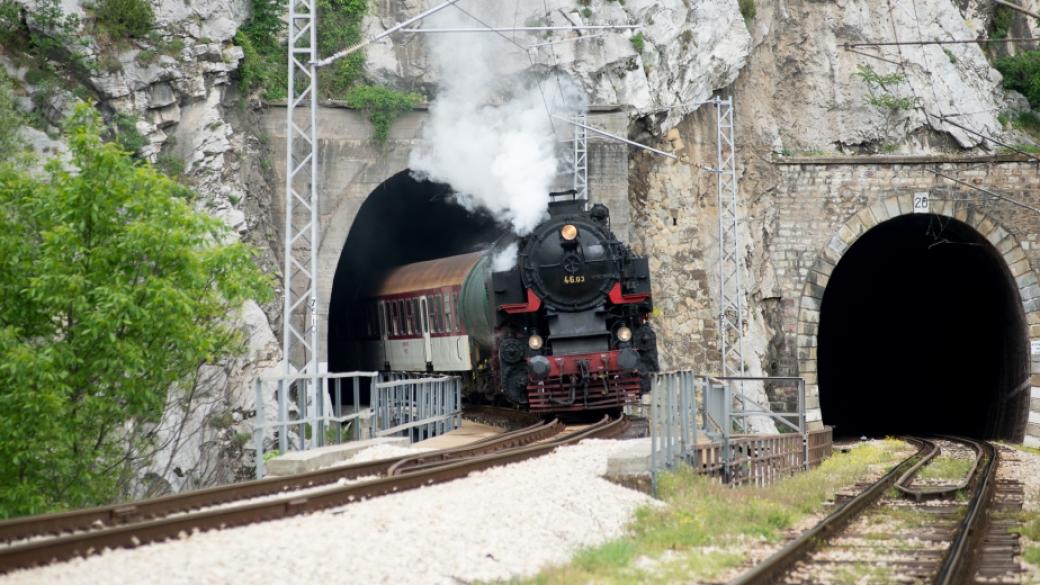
x,y
806,91
176,86
689,49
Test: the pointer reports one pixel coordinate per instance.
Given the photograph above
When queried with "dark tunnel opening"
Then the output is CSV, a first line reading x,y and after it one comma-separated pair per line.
x,y
922,331
402,221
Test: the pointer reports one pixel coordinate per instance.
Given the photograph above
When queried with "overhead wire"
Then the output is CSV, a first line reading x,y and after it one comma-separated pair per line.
x,y
538,82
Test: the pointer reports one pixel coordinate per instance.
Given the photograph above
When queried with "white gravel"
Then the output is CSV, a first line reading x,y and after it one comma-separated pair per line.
x,y
500,523
383,452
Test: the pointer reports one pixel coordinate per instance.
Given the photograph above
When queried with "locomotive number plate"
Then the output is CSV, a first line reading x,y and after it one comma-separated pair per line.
x,y
579,279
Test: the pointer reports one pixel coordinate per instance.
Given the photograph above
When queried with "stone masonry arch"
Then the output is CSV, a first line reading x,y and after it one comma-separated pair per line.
x,y
828,257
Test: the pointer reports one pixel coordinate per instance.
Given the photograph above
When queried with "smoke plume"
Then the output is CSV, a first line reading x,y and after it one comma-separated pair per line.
x,y
489,134
505,259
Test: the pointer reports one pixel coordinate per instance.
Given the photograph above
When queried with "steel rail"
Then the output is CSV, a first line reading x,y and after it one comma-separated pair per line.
x,y
957,563
903,484
120,514
129,536
769,570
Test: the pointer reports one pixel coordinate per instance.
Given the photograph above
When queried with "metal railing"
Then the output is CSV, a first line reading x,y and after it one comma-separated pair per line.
x,y
305,411
419,407
703,421
308,414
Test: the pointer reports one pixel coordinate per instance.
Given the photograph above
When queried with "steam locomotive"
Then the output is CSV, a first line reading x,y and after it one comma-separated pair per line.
x,y
564,329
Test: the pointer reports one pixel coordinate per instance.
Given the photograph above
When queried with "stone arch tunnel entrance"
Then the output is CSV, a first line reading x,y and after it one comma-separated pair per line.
x,y
922,331
403,220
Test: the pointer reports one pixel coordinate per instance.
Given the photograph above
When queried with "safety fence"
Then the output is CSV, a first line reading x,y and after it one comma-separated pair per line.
x,y
306,411
724,427
419,407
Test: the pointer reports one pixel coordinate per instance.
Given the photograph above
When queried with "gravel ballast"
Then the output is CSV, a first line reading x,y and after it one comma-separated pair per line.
x,y
500,523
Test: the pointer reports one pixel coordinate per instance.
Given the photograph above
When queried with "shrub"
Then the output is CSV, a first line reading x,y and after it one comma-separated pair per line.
x,y
263,62
125,18
873,78
638,42
339,27
884,98
891,102
1022,74
171,165
1002,19
383,105
747,9
126,133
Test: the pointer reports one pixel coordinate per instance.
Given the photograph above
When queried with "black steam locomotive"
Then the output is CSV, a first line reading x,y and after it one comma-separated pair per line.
x,y
565,329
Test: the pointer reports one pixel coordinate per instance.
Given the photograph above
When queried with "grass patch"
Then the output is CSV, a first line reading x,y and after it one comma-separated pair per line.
x,y
638,42
946,469
1030,527
1021,147
1023,448
706,528
382,105
864,573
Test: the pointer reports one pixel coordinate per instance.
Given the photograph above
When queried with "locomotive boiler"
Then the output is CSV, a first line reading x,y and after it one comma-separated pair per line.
x,y
566,328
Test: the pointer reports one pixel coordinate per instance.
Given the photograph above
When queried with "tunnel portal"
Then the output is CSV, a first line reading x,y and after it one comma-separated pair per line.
x,y
403,220
922,331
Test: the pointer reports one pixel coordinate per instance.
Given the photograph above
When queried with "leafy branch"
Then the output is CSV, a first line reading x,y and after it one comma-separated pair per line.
x,y
880,95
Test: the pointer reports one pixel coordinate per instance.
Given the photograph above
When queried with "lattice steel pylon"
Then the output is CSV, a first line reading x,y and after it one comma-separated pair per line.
x,y
581,157
731,289
300,328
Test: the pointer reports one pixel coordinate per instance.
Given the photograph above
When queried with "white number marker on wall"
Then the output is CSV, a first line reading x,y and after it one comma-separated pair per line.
x,y
921,202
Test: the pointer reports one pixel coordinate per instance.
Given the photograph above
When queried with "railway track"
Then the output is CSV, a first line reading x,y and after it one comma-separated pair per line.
x,y
905,528
56,537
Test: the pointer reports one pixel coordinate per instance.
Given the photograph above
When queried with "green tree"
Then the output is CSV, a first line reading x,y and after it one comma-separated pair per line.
x,y
114,289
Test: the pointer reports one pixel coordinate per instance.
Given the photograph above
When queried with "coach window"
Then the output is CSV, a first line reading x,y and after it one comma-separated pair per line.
x,y
447,313
458,312
441,324
416,322
436,306
381,315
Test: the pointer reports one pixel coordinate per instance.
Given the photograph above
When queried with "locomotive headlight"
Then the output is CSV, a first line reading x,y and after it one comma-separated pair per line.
x,y
569,232
624,334
535,342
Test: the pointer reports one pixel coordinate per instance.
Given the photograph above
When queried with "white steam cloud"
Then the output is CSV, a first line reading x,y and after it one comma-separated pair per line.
x,y
505,259
489,134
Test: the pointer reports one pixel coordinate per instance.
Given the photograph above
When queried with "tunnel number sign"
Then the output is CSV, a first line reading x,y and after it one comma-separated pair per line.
x,y
921,202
